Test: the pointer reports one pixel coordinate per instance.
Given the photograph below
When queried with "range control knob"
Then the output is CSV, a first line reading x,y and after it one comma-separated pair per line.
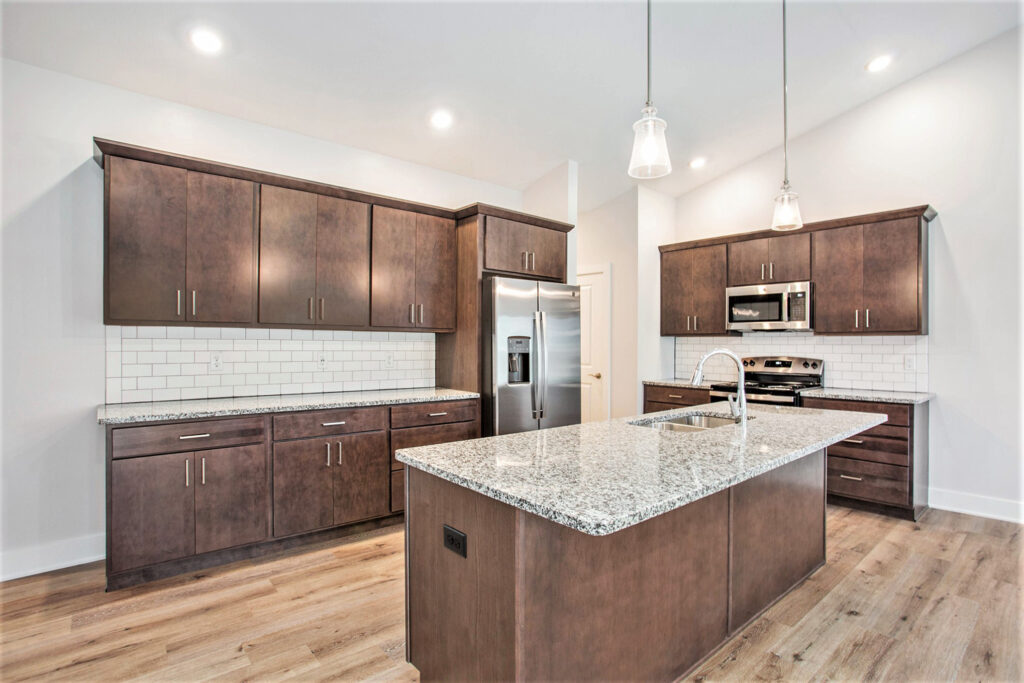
x,y
806,364
814,365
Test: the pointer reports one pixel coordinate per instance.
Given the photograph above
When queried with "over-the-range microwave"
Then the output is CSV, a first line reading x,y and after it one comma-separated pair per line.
x,y
776,306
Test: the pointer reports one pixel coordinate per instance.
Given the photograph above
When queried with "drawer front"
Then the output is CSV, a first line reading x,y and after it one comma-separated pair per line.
x,y
679,396
426,436
874,449
899,414
870,481
328,422
888,430
655,407
398,490
418,414
128,442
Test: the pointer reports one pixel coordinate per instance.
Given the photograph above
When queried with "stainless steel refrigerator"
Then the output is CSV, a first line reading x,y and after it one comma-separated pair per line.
x,y
531,355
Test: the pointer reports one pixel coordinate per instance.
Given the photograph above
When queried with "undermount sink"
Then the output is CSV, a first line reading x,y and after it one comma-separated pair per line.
x,y
692,423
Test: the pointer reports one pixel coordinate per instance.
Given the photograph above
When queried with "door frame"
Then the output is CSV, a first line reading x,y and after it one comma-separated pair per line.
x,y
606,269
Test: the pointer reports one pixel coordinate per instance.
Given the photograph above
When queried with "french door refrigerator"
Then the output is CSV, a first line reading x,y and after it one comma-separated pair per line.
x,y
531,355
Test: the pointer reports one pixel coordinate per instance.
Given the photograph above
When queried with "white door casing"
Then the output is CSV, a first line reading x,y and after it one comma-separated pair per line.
x,y
595,342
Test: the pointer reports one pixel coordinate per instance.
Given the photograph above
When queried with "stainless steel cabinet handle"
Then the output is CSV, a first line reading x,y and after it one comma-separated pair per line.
x,y
526,261
186,474
771,271
179,302
762,271
856,318
412,313
310,308
421,314
193,436
321,308
695,319
867,317
203,473
193,302
339,452
846,476
533,260
436,414
674,396
332,424
687,323
854,441
328,444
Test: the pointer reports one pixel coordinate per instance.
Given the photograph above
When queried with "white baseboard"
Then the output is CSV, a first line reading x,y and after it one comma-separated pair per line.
x,y
973,504
19,562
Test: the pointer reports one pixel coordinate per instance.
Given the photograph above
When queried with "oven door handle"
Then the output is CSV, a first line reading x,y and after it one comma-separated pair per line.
x,y
765,398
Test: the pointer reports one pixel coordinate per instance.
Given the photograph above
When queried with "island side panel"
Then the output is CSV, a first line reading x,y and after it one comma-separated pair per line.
x,y
461,610
778,534
644,603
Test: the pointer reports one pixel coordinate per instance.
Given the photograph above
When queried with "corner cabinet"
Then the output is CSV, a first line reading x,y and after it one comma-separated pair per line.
x,y
693,291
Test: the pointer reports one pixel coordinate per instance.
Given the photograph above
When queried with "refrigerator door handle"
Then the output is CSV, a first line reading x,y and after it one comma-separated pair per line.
x,y
543,363
535,379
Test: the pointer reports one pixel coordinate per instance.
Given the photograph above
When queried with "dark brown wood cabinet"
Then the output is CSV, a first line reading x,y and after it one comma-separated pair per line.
x,y
232,497
303,486
361,477
287,256
838,268
658,398
435,272
693,291
516,247
342,262
770,259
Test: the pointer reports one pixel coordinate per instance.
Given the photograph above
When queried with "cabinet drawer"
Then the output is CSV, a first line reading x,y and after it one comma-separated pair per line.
x,y
678,396
655,407
327,422
417,414
128,442
868,481
426,436
873,448
898,414
398,490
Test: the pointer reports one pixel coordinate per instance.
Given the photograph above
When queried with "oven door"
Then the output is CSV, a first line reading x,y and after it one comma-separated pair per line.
x,y
768,307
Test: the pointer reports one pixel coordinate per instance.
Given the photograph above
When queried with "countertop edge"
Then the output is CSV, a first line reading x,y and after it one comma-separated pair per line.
x,y
871,395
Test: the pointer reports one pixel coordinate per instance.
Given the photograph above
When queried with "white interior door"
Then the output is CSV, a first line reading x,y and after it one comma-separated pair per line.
x,y
595,342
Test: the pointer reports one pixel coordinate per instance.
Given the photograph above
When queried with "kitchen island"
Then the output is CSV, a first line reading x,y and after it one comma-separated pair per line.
x,y
610,550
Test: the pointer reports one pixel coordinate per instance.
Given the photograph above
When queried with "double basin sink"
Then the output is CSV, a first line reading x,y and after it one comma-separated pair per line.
x,y
692,423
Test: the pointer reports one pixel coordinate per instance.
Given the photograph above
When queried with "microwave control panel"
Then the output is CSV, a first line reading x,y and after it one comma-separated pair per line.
x,y
798,306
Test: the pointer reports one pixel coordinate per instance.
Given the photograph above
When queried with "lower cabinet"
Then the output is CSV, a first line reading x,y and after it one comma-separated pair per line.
x,y
658,398
425,436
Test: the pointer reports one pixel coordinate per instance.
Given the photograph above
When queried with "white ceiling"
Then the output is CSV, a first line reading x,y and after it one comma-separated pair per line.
x,y
531,84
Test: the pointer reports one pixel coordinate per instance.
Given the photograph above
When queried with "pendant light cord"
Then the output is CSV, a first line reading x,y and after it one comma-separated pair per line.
x,y
648,53
785,103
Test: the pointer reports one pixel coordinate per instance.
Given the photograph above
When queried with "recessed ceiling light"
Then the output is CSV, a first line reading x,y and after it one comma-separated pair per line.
x,y
441,119
879,63
698,162
206,41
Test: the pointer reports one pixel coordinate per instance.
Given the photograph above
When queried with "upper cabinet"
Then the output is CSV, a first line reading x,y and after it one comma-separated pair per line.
x,y
770,259
515,247
179,245
693,291
413,267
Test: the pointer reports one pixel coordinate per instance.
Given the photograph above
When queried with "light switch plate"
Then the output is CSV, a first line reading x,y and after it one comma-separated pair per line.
x,y
389,362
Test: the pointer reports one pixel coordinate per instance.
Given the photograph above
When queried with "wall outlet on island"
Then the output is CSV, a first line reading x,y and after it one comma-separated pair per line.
x,y
216,363
389,362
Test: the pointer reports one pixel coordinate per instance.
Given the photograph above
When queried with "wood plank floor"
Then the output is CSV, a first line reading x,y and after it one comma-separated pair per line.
x,y
936,600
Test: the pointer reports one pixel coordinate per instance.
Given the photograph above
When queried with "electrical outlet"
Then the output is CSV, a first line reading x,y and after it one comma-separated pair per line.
x,y
389,362
909,363
455,540
321,361
216,363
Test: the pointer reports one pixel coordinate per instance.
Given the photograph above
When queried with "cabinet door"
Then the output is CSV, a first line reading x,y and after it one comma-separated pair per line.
x,y
342,262
548,249
709,277
789,258
145,259
287,255
303,486
435,272
362,479
676,297
393,269
748,262
891,276
231,497
152,510
220,249
506,245
837,268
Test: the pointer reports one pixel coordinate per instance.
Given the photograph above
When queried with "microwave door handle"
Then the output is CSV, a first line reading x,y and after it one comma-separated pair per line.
x,y
785,307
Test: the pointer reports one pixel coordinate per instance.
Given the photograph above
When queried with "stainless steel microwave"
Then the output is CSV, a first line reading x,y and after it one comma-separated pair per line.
x,y
776,306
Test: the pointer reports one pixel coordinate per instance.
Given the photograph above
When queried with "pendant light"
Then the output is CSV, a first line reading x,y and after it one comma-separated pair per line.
x,y
787,211
650,150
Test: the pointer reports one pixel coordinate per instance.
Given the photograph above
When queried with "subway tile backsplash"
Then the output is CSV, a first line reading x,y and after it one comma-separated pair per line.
x,y
887,363
171,363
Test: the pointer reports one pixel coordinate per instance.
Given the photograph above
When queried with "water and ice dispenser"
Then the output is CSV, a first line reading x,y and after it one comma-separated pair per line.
x,y
518,360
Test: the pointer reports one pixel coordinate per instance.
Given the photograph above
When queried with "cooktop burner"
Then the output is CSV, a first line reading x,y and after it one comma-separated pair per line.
x,y
779,375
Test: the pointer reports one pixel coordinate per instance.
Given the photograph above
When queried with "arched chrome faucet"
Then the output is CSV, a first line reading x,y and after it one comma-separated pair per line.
x,y
738,405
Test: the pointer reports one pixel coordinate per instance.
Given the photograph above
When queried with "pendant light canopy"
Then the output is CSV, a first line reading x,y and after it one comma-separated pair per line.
x,y
787,210
650,149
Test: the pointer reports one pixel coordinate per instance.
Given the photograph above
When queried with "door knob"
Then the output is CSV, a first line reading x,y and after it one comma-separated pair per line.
x,y
595,375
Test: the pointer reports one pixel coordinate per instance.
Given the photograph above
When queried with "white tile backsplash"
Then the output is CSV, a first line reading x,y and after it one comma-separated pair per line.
x,y
854,362
170,363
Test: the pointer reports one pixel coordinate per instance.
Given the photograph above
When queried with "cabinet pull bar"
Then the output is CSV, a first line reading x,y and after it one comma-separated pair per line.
x,y
771,271
687,323
203,474
412,313
856,318
179,302
674,396
854,441
421,314
321,308
762,271
846,476
533,260
328,444
332,424
436,414
186,474
695,319
310,308
339,453
193,302
867,317
526,261
193,436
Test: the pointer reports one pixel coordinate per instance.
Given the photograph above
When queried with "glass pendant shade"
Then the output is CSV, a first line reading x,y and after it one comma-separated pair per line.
x,y
787,210
650,149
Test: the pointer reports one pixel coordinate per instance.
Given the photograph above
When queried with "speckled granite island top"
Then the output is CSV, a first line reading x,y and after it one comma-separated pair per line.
x,y
130,413
601,477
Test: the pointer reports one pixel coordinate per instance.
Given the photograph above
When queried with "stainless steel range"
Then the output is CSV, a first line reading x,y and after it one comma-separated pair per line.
x,y
777,380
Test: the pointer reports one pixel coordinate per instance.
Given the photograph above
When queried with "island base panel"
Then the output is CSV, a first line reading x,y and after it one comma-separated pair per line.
x,y
535,600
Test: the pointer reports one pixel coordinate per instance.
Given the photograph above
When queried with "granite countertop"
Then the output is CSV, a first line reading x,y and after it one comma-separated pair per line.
x,y
908,397
675,382
601,477
129,413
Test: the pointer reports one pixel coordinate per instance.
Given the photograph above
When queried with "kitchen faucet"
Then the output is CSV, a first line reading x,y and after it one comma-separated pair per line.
x,y
737,405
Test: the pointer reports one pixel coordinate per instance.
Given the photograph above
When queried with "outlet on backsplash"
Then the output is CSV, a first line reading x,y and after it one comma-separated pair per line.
x,y
216,363
321,361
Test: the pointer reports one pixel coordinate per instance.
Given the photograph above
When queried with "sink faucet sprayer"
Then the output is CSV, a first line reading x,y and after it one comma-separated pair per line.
x,y
738,405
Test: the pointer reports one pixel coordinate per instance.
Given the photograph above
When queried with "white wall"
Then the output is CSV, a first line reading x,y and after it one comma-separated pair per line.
x,y
53,339
655,225
950,137
555,195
